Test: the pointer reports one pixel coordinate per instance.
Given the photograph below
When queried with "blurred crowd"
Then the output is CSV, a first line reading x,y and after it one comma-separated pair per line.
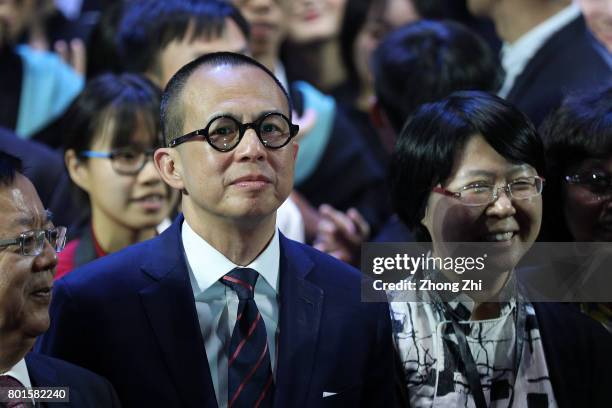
x,y
387,94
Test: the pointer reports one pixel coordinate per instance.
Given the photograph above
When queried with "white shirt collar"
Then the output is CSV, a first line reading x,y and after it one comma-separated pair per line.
x,y
515,56
209,265
20,372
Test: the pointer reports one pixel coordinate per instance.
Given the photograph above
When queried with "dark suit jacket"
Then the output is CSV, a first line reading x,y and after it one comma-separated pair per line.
x,y
86,389
578,355
131,317
45,169
566,63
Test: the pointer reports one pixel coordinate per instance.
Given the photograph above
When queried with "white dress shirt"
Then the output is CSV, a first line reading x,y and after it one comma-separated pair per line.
x,y
516,56
20,372
217,304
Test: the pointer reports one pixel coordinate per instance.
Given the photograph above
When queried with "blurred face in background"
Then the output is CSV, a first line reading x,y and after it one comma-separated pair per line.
x,y
268,21
15,16
598,15
383,17
315,20
181,52
481,8
588,206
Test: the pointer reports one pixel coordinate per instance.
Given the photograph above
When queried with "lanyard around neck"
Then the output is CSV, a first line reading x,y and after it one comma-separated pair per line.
x,y
471,370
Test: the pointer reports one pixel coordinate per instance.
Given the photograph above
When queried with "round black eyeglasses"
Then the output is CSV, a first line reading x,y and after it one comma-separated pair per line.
x,y
224,132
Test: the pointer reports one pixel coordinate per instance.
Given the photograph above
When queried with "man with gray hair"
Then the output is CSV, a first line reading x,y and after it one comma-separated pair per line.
x,y
28,246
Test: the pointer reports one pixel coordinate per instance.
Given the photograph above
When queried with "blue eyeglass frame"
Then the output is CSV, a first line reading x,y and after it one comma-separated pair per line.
x,y
242,128
94,154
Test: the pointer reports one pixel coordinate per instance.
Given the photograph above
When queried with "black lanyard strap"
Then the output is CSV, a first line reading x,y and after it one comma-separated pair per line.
x,y
471,370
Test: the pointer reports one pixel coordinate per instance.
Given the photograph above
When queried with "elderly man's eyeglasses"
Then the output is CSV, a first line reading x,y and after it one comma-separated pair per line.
x,y
127,161
223,133
31,243
479,194
597,182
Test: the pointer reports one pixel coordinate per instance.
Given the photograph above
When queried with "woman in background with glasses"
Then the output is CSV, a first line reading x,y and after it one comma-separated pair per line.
x,y
113,130
467,170
578,142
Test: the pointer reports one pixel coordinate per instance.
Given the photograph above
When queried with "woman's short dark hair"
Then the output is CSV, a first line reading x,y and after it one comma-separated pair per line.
x,y
425,61
580,129
429,143
123,100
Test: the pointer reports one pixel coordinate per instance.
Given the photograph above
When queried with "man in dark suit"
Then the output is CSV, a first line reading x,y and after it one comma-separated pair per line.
x,y
28,246
221,309
547,52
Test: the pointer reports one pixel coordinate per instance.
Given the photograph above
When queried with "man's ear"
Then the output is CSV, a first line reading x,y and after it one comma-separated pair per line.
x,y
77,169
168,164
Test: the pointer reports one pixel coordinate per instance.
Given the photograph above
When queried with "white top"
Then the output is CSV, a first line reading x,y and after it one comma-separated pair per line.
x,y
217,304
516,56
290,222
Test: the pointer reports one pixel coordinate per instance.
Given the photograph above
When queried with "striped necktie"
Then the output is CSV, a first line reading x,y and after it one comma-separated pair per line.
x,y
6,381
250,381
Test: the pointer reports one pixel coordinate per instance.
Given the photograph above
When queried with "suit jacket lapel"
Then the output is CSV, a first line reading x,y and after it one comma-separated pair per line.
x,y
170,307
301,304
43,374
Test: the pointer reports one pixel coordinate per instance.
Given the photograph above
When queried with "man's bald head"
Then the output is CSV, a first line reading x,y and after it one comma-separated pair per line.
x,y
172,112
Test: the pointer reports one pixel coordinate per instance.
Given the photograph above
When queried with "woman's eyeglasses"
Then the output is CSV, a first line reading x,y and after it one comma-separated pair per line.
x,y
126,161
480,194
597,182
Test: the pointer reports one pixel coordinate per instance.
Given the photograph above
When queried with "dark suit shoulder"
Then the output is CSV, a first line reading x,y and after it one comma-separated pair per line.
x,y
86,389
341,282
65,371
566,319
578,354
341,270
566,63
117,269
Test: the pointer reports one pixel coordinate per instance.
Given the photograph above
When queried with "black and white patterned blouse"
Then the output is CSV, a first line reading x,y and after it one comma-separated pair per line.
x,y
433,367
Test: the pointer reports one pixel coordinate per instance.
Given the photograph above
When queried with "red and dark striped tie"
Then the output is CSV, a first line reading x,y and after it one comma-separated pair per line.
x,y
6,381
250,381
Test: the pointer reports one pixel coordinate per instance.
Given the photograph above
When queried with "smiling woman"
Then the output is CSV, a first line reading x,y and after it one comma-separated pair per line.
x,y
114,129
578,140
467,169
